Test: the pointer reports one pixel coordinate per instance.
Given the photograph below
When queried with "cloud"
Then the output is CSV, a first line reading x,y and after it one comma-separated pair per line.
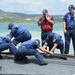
x,y
22,5
68,1
35,6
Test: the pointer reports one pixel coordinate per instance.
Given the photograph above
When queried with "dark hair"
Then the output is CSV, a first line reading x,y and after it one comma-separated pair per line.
x,y
44,11
71,7
51,35
38,40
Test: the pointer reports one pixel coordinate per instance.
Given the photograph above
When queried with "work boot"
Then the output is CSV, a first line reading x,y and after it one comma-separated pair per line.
x,y
43,63
1,56
17,58
25,59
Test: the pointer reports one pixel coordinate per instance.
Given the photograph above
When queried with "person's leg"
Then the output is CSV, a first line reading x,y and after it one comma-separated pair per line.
x,y
20,55
23,51
67,42
61,47
6,46
38,56
12,48
9,46
15,42
2,48
62,51
21,38
43,37
73,40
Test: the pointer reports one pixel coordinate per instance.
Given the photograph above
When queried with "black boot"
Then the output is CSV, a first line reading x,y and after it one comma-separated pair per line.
x,y
17,58
43,63
1,56
63,58
25,59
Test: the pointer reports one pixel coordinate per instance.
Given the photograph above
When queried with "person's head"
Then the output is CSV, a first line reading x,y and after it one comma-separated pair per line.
x,y
38,41
44,12
71,8
51,36
10,25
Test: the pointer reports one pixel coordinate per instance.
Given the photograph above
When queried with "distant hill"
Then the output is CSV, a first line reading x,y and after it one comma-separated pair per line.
x,y
20,17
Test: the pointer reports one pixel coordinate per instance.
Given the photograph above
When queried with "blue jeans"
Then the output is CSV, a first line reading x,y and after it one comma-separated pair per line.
x,y
9,46
44,35
23,51
22,37
70,34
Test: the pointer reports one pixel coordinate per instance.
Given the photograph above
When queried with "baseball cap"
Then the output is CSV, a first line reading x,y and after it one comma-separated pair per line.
x,y
50,35
71,7
10,25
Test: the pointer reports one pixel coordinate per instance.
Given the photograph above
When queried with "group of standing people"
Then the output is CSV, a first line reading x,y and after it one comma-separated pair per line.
x,y
48,38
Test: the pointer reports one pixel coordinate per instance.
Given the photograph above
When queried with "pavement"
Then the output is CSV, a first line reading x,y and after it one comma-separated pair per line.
x,y
55,66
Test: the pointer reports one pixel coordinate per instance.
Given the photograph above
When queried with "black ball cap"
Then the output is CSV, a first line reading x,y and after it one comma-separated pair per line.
x,y
51,35
71,7
10,25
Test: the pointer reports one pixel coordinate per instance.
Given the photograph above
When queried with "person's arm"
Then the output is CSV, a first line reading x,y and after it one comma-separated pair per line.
x,y
64,26
45,45
44,50
13,31
51,20
40,21
54,47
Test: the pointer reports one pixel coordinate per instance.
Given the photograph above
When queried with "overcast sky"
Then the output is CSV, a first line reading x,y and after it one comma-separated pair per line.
x,y
36,6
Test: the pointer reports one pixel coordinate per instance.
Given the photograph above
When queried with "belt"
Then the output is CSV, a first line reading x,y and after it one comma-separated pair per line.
x,y
46,31
69,28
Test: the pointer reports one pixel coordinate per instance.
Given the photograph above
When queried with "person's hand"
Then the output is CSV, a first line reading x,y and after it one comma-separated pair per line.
x,y
65,30
51,53
48,17
43,19
47,54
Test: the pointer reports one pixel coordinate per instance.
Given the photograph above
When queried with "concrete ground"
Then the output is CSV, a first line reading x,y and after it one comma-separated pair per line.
x,y
55,66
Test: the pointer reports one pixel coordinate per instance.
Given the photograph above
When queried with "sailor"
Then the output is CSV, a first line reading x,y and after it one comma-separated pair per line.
x,y
30,48
5,43
19,33
69,28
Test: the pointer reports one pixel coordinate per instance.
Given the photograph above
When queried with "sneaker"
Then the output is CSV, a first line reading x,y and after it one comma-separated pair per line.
x,y
1,57
43,63
64,58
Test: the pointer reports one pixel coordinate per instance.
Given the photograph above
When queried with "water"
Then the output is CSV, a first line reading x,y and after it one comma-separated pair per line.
x,y
35,31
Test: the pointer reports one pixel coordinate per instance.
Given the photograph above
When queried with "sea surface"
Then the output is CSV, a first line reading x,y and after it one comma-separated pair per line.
x,y
36,31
